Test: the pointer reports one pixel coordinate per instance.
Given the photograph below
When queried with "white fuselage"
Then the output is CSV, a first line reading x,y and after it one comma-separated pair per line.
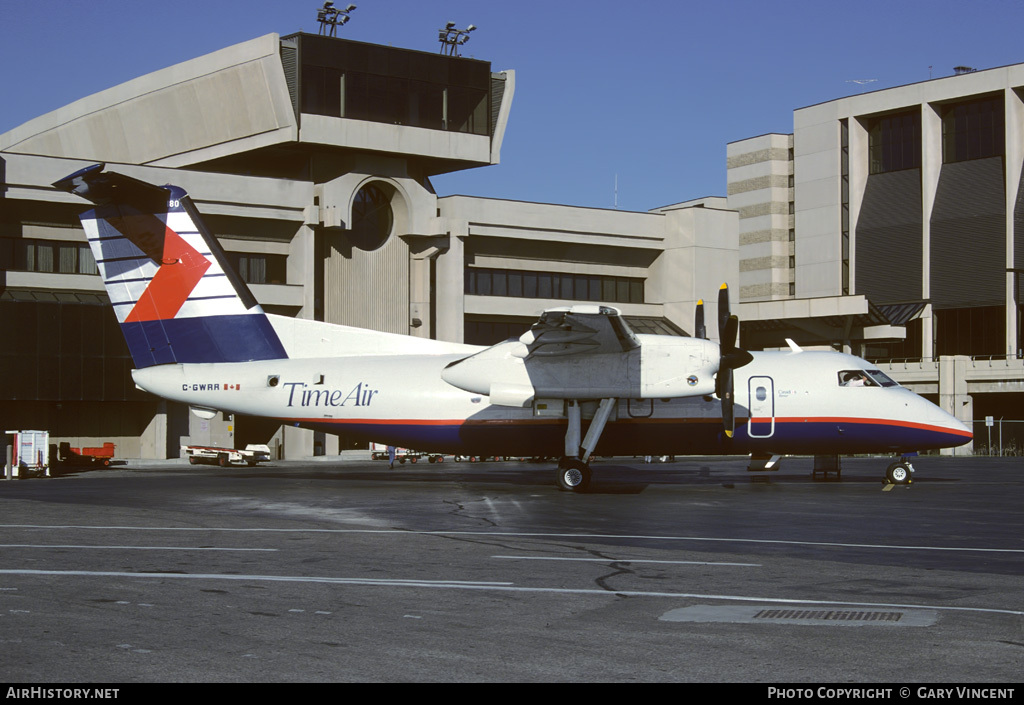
x,y
786,403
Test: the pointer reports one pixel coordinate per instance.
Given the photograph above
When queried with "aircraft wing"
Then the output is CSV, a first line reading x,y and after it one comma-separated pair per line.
x,y
586,352
579,330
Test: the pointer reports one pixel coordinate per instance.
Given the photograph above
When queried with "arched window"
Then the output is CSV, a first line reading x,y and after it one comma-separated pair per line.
x,y
372,219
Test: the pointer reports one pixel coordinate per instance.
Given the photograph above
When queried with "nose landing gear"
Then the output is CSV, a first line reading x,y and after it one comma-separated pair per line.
x,y
899,472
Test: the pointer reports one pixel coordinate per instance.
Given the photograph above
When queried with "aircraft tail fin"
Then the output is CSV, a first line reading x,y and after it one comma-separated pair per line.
x,y
174,293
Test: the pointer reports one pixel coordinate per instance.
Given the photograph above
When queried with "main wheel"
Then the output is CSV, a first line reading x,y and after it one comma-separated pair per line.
x,y
898,474
573,475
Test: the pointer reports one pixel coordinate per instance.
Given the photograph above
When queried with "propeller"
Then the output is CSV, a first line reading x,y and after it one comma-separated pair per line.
x,y
732,358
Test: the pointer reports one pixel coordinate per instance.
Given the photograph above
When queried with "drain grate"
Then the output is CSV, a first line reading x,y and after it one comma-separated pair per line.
x,y
830,615
882,616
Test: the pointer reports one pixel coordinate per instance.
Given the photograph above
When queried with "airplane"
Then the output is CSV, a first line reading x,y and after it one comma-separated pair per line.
x,y
197,336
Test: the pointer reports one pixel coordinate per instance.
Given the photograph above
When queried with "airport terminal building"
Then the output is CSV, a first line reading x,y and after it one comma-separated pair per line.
x,y
311,157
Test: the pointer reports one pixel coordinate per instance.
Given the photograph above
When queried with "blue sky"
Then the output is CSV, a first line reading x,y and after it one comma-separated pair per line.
x,y
648,91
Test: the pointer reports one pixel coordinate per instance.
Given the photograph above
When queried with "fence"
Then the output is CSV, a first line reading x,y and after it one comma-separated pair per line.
x,y
1005,437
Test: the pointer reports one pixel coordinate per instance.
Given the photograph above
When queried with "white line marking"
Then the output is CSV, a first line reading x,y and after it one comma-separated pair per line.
x,y
268,578
625,560
501,587
521,534
136,548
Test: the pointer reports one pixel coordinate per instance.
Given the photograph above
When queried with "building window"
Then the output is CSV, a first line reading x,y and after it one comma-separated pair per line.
x,y
974,130
490,332
56,256
394,86
844,177
372,219
254,268
971,331
480,281
894,143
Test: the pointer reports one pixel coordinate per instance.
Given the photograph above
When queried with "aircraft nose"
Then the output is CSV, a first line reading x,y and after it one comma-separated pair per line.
x,y
951,424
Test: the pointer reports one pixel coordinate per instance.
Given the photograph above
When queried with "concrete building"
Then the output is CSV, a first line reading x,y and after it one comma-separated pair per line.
x,y
310,157
907,208
760,189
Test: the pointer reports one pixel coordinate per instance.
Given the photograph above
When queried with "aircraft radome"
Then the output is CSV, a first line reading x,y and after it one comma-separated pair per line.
x,y
197,336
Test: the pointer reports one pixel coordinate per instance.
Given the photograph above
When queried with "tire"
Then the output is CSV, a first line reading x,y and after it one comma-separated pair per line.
x,y
193,460
573,475
898,474
222,460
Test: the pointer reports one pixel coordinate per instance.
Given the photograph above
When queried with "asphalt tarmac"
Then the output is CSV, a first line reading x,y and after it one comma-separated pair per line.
x,y
342,570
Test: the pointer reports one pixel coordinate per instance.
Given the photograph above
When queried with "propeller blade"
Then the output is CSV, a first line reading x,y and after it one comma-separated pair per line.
x,y
723,308
732,358
700,331
728,414
728,334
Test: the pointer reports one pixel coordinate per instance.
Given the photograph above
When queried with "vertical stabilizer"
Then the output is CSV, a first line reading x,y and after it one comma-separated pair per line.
x,y
175,295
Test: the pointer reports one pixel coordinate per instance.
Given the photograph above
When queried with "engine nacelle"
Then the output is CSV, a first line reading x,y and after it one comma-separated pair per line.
x,y
677,367
661,367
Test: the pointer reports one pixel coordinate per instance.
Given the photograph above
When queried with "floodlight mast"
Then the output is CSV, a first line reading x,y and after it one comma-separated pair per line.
x,y
330,17
452,38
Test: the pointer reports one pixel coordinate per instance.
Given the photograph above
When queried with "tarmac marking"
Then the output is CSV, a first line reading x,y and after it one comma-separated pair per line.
x,y
135,548
500,587
520,534
626,560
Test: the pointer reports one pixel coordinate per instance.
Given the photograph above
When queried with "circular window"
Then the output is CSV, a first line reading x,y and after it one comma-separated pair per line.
x,y
371,217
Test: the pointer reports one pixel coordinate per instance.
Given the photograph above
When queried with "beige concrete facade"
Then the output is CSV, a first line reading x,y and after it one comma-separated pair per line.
x,y
760,189
819,193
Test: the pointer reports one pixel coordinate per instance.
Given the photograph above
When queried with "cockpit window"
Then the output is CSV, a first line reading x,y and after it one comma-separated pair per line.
x,y
865,378
855,378
882,379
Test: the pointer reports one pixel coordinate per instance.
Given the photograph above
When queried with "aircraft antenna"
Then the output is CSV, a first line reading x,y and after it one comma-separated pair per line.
x,y
331,17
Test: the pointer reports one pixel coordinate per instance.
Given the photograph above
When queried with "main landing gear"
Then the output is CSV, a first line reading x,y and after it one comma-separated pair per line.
x,y
574,468
573,474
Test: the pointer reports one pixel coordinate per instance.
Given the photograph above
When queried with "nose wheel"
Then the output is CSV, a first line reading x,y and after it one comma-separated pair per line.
x,y
899,472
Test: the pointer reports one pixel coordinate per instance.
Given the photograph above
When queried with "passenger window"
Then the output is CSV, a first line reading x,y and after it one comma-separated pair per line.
x,y
761,393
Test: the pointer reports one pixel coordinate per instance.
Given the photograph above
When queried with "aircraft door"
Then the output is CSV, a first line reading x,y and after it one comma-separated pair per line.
x,y
761,423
